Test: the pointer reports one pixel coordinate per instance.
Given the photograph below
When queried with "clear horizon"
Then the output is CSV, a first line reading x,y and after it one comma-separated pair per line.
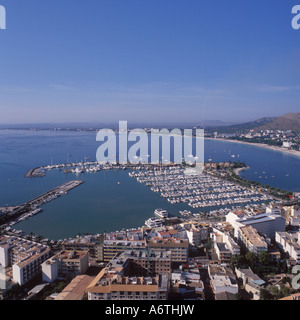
x,y
147,62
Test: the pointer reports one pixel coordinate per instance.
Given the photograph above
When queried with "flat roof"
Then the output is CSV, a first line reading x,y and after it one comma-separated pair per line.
x,y
76,288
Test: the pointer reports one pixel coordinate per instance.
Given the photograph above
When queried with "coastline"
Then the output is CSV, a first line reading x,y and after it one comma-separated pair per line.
x,y
261,145
238,170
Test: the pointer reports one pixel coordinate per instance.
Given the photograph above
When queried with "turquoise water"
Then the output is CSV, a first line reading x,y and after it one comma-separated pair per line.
x,y
101,204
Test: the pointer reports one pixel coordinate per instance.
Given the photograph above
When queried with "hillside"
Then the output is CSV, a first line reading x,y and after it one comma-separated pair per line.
x,y
241,127
289,121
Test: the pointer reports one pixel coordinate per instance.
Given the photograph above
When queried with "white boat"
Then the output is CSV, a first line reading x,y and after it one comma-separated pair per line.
x,y
153,223
78,170
161,213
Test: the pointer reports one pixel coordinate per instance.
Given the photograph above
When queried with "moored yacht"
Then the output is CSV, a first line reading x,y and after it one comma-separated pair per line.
x,y
161,213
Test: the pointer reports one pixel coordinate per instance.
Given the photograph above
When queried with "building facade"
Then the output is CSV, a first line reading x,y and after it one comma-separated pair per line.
x,y
24,256
65,263
252,241
179,248
116,282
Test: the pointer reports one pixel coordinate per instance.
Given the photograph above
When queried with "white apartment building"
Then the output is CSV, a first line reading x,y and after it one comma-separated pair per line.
x,y
65,263
24,256
265,223
252,240
220,236
289,243
115,282
196,233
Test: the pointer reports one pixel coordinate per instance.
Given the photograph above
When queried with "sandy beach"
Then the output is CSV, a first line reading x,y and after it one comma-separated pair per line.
x,y
261,145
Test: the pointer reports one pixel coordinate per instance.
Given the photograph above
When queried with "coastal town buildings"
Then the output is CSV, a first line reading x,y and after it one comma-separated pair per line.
x,y
116,282
223,252
222,280
120,241
148,262
187,284
65,263
179,248
219,235
197,233
23,256
251,240
265,223
290,244
91,243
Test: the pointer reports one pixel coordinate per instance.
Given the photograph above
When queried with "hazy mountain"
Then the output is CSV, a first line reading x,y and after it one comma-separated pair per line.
x,y
242,126
289,121
217,123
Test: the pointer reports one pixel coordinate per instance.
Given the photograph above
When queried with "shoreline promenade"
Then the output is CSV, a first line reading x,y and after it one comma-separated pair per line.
x,y
261,145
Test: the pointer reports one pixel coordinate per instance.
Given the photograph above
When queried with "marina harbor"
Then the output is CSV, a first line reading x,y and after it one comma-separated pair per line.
x,y
199,191
211,194
32,207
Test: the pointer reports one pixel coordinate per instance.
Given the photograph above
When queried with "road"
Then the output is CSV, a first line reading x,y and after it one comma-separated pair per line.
x,y
206,281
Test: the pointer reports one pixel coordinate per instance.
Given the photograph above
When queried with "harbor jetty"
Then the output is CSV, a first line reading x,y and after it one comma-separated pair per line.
x,y
36,172
30,208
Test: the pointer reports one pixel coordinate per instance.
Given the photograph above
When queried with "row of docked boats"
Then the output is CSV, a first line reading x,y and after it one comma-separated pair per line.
x,y
197,191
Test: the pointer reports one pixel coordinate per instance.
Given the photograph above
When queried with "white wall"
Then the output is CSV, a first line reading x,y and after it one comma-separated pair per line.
x,y
50,271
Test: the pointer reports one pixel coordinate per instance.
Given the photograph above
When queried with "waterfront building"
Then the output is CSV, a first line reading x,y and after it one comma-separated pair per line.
x,y
24,256
179,248
286,144
65,263
116,282
290,244
154,223
265,223
252,240
177,232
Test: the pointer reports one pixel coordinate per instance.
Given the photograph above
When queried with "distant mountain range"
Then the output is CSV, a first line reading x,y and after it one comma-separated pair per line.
x,y
242,126
289,121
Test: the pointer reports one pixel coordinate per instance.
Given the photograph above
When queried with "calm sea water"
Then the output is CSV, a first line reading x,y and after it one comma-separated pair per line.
x,y
101,204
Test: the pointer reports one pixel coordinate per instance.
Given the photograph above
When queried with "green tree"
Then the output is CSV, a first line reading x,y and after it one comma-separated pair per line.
x,y
251,258
265,295
264,258
286,280
237,260
208,244
284,291
284,266
274,292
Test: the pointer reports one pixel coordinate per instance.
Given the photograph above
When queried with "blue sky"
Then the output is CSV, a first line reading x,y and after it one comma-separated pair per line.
x,y
148,60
